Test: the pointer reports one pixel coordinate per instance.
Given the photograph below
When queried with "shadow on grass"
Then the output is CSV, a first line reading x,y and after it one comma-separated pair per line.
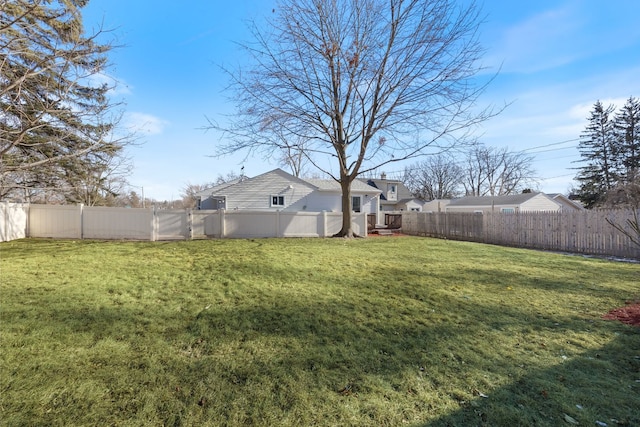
x,y
242,353
345,343
595,386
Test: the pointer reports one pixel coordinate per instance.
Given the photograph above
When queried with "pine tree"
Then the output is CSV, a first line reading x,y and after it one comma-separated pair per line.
x,y
598,150
53,113
627,133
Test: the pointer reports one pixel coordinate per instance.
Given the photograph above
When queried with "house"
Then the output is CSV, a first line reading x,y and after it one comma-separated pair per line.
x,y
525,202
436,205
279,190
395,196
568,204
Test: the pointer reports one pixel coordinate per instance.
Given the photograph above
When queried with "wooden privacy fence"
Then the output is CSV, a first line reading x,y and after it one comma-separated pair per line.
x,y
82,222
586,231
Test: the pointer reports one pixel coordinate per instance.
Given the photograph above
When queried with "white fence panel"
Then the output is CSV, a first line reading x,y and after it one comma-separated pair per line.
x,y
13,221
300,224
250,224
78,222
333,223
117,223
57,222
212,223
173,224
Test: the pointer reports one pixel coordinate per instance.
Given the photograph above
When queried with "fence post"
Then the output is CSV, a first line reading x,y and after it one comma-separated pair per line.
x,y
189,224
324,224
363,224
278,223
81,212
4,207
153,224
222,223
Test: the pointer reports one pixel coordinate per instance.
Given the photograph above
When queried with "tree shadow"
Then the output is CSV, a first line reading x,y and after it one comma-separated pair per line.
x,y
353,347
565,394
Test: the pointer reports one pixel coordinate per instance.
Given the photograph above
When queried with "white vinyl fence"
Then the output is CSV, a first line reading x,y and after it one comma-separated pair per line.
x,y
83,222
13,221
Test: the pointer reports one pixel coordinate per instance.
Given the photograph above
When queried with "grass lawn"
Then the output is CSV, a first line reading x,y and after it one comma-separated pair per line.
x,y
324,332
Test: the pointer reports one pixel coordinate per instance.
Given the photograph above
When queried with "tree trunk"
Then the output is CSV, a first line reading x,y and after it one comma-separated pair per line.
x,y
347,226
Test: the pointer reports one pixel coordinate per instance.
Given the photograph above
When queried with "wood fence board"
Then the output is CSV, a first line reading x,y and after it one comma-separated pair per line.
x,y
585,231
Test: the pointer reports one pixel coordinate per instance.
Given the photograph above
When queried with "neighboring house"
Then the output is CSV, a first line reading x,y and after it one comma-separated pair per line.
x,y
279,190
395,195
568,205
526,202
437,205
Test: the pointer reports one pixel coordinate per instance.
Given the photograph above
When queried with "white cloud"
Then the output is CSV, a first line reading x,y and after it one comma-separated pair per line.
x,y
142,123
117,87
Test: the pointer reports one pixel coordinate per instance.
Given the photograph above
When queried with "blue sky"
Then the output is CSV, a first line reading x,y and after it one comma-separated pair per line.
x,y
556,58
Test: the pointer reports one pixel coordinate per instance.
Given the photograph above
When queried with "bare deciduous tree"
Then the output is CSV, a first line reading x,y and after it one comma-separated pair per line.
x,y
492,171
294,156
364,82
437,177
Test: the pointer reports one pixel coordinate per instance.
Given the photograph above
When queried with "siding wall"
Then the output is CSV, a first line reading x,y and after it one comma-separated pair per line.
x,y
255,193
540,203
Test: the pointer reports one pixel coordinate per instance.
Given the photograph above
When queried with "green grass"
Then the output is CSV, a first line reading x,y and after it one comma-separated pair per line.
x,y
302,332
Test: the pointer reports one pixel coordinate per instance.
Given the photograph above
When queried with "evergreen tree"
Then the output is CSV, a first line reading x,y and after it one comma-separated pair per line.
x,y
55,119
627,133
598,150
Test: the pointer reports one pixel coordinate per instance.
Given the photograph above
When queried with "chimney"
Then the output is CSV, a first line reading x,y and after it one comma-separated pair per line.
x,y
383,176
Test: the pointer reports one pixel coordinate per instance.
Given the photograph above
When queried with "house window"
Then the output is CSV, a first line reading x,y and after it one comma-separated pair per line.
x,y
356,204
508,210
277,201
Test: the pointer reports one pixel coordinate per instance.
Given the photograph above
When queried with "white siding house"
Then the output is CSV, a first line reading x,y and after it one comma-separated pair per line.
x,y
568,205
436,205
526,202
279,190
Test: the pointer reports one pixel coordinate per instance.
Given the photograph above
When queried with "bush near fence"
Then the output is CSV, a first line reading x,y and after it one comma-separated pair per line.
x,y
586,231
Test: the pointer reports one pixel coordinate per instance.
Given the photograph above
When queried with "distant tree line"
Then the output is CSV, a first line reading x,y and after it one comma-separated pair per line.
x,y
480,171
610,156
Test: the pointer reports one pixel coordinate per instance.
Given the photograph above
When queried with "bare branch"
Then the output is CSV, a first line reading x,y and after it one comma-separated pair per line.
x,y
364,82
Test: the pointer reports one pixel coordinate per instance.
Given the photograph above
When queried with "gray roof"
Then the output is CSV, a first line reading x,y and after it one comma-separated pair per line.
x,y
331,185
321,184
410,200
216,188
512,199
403,191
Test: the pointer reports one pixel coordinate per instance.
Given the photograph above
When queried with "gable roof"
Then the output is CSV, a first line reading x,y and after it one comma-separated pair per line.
x,y
216,188
512,199
403,193
331,185
566,201
412,199
328,185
